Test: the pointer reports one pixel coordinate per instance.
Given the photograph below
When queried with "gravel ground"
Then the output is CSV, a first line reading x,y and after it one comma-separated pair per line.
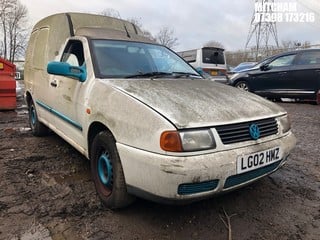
x,y
46,192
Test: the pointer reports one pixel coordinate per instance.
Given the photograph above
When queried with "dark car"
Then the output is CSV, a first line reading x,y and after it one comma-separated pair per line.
x,y
293,74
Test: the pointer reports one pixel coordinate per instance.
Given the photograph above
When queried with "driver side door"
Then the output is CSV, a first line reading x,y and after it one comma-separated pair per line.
x,y
68,91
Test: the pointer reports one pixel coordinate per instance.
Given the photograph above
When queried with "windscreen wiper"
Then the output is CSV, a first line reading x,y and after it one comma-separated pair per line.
x,y
185,74
149,74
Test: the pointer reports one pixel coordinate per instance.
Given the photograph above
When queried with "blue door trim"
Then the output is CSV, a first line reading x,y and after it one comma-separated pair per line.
x,y
60,115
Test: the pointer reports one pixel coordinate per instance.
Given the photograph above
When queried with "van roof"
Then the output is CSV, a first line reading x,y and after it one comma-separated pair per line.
x,y
106,33
74,21
57,28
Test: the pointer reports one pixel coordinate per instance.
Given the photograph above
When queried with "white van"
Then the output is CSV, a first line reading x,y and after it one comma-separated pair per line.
x,y
149,123
210,60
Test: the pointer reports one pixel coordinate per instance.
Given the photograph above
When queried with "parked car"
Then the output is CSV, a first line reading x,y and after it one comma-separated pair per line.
x,y
149,123
294,74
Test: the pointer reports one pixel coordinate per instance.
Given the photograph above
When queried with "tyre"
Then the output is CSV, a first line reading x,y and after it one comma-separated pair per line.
x,y
107,173
38,129
243,85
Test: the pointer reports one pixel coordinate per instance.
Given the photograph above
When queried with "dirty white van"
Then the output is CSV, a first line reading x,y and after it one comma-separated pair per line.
x,y
148,122
210,60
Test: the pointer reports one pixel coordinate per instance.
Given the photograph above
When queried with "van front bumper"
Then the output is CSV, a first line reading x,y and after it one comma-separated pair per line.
x,y
188,178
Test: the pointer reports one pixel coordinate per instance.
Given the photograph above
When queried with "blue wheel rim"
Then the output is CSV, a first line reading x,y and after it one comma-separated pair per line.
x,y
105,170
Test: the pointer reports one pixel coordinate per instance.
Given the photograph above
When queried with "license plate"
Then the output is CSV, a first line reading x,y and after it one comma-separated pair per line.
x,y
256,160
214,73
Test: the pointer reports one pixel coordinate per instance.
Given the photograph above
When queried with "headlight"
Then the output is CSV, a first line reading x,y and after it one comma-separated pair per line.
x,y
285,123
174,141
197,140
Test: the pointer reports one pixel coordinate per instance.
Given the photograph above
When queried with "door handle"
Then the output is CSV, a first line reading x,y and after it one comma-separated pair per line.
x,y
282,72
54,84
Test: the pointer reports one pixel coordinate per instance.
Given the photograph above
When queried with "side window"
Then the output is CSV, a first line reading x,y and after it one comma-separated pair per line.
x,y
309,58
282,61
73,53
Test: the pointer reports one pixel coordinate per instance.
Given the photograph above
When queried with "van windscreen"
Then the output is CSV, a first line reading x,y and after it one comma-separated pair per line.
x,y
213,55
125,59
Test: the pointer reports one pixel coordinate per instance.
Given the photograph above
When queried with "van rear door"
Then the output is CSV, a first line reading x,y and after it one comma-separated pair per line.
x,y
43,94
213,61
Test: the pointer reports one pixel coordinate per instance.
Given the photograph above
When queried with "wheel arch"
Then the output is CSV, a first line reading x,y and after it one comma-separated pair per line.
x,y
239,80
28,98
245,81
94,129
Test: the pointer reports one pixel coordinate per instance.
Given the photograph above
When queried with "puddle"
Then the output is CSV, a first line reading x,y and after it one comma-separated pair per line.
x,y
24,129
63,178
17,129
22,110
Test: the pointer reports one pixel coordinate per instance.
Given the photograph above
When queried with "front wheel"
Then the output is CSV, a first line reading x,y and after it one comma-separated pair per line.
x,y
107,172
243,85
38,129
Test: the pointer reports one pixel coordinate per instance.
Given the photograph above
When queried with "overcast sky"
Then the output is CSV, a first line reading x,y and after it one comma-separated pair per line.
x,y
194,21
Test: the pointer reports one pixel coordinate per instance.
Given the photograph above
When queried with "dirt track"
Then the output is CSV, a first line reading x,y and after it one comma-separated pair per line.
x,y
46,192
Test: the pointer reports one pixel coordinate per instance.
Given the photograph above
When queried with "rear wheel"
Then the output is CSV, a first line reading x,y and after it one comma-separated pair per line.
x,y
107,172
243,85
38,129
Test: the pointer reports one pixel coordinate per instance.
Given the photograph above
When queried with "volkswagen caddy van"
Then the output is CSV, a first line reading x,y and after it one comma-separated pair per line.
x,y
151,126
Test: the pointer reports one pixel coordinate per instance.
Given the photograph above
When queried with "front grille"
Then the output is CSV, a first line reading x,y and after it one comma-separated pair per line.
x,y
239,132
191,188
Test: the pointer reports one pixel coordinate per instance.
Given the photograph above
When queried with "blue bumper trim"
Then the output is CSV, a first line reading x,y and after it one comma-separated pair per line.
x,y
191,188
60,115
245,177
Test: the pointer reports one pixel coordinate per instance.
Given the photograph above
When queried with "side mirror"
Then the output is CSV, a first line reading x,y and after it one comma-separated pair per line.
x,y
265,67
65,69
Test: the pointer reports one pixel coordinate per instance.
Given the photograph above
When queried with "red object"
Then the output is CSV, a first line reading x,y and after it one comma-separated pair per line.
x,y
8,94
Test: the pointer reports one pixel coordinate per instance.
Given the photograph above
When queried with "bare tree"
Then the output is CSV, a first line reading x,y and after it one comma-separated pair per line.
x,y
5,7
166,37
135,21
291,45
145,32
13,18
213,44
17,31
